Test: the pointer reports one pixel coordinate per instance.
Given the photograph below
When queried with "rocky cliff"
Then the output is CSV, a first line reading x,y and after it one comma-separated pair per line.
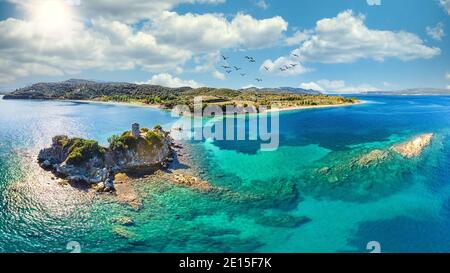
x,y
80,160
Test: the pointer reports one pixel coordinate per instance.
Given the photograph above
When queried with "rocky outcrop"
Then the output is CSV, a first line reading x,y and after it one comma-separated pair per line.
x,y
76,159
143,156
355,164
373,158
123,220
413,147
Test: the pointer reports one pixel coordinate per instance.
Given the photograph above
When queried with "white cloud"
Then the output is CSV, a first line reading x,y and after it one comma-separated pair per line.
x,y
206,62
124,11
73,2
262,4
283,66
437,32
211,32
218,75
84,40
446,5
312,86
337,86
448,75
27,50
345,39
374,2
251,86
167,80
298,38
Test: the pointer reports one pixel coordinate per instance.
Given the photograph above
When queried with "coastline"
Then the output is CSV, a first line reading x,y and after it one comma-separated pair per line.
x,y
294,108
136,104
287,109
159,107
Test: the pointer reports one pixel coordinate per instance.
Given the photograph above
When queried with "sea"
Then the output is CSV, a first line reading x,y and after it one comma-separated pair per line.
x,y
308,195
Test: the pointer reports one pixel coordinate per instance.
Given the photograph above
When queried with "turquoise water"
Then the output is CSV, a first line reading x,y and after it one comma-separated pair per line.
x,y
403,204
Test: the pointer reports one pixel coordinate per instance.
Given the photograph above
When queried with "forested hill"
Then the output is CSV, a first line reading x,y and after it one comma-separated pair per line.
x,y
169,97
89,90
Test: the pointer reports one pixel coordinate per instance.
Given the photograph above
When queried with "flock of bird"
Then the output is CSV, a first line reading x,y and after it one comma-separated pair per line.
x,y
230,68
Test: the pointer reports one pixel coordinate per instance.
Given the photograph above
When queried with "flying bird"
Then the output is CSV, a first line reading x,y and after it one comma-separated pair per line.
x,y
229,71
294,65
258,80
225,58
295,55
237,68
266,68
226,67
282,69
250,59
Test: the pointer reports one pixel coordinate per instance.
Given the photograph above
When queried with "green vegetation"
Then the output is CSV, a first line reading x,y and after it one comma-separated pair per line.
x,y
154,138
127,141
79,150
171,97
228,97
124,142
62,141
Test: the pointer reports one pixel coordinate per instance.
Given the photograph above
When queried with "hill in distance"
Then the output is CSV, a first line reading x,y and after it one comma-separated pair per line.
x,y
165,97
283,90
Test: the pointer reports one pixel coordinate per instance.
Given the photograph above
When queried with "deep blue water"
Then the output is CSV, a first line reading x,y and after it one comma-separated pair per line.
x,y
403,204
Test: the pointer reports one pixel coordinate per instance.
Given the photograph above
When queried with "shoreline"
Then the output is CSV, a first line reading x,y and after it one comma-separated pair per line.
x,y
159,107
287,109
136,104
294,108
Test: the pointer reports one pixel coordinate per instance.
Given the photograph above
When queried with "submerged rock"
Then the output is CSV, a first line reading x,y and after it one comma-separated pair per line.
x,y
282,220
191,182
124,221
363,174
413,147
123,232
372,158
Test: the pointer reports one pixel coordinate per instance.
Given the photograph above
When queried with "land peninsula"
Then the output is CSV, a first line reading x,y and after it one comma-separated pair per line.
x,y
168,98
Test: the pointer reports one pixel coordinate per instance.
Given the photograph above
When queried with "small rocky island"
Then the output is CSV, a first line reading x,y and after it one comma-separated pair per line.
x,y
140,151
361,164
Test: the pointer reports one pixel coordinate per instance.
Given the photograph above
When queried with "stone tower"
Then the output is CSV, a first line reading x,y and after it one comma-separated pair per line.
x,y
135,131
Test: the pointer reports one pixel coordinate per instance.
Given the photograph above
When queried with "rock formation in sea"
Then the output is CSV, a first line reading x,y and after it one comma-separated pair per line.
x,y
363,172
81,160
413,147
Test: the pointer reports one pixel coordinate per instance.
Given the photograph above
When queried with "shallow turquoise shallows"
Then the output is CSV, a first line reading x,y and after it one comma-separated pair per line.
x,y
265,198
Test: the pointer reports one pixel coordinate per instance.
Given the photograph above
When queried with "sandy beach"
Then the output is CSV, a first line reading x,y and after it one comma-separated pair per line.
x,y
139,104
315,106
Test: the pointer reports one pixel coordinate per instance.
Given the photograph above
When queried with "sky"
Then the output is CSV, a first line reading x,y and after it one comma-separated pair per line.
x,y
334,46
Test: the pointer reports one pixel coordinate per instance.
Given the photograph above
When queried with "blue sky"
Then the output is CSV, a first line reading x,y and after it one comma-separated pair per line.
x,y
336,46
